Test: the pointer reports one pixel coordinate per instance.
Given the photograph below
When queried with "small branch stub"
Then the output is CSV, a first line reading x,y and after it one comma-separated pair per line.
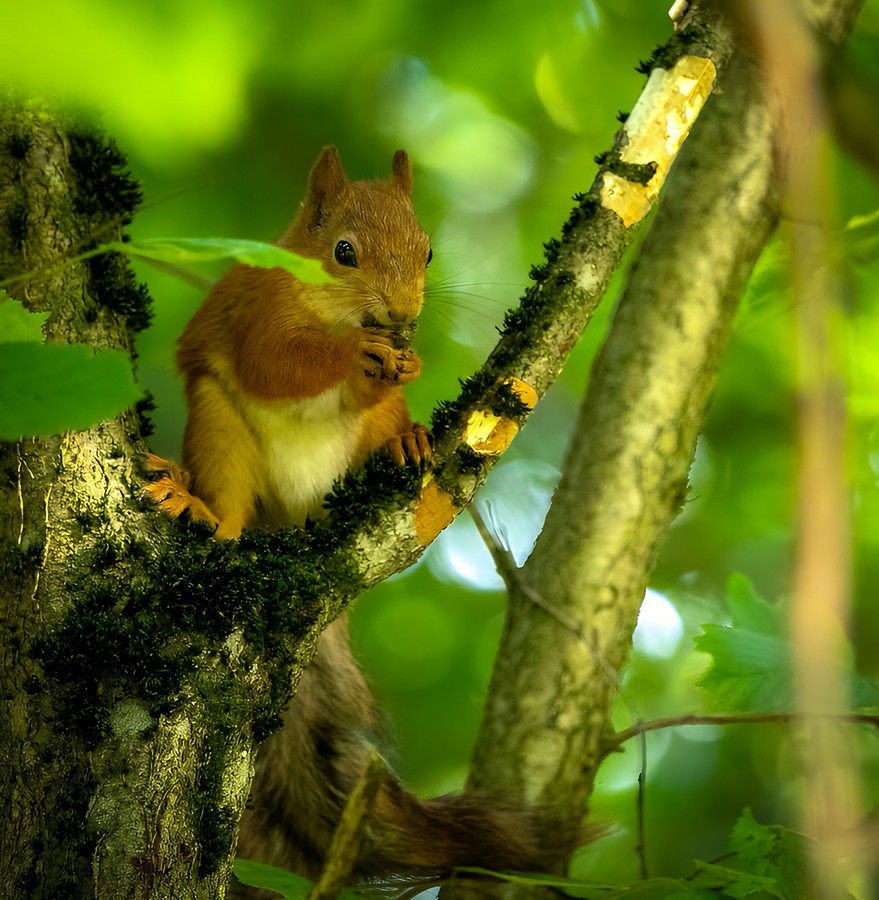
x,y
654,132
350,832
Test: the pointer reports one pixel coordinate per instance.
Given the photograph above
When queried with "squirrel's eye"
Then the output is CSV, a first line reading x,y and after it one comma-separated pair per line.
x,y
429,256
345,255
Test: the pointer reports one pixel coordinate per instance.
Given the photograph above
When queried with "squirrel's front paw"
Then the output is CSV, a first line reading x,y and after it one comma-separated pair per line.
x,y
385,361
412,447
168,488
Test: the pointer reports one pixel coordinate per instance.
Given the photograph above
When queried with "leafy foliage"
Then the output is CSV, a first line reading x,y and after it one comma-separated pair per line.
x,y
772,852
271,878
750,667
50,388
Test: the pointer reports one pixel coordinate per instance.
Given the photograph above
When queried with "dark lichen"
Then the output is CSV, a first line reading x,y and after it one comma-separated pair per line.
x,y
116,287
585,209
18,144
17,219
507,404
142,410
108,195
474,389
105,187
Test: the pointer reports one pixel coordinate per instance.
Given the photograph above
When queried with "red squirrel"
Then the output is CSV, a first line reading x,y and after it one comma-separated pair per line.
x,y
289,384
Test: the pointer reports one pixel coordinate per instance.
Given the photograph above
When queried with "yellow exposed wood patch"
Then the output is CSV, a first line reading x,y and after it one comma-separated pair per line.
x,y
491,434
434,510
485,433
655,129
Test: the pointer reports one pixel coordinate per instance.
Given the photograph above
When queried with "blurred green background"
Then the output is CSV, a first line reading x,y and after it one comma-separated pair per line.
x,y
222,106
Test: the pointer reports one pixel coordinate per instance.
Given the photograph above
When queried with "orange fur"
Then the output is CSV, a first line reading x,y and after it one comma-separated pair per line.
x,y
275,367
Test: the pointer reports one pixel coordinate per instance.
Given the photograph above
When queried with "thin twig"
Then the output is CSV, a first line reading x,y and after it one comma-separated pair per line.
x,y
511,575
616,740
641,848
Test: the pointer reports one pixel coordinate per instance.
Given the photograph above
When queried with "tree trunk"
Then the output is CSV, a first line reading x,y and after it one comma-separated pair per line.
x,y
132,700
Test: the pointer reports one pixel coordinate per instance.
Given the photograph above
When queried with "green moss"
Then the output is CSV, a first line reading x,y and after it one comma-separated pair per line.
x,y
216,838
16,563
143,638
353,498
216,821
116,287
65,873
464,462
18,144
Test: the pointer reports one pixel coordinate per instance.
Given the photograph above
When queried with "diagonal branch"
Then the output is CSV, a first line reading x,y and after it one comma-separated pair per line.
x,y
473,431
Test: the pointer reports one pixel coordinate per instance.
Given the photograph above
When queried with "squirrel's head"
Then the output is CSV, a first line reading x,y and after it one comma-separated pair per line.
x,y
367,237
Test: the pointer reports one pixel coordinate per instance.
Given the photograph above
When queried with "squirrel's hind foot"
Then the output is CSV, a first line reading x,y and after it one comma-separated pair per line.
x,y
168,488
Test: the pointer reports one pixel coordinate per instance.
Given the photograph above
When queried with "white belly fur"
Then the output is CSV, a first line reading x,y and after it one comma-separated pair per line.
x,y
307,445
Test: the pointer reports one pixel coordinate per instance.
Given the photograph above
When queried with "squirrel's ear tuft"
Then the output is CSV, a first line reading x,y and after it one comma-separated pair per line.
x,y
401,171
326,181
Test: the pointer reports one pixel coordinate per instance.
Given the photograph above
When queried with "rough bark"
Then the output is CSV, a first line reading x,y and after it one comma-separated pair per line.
x,y
574,605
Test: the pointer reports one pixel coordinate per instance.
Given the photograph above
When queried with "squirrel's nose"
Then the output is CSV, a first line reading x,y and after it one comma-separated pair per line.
x,y
399,315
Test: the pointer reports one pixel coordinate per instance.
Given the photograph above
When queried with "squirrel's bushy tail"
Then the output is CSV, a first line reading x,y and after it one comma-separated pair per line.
x,y
306,772
453,830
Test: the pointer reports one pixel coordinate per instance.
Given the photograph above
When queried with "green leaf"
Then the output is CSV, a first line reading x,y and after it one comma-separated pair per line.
x,y
733,882
288,884
194,250
773,852
51,388
18,323
750,667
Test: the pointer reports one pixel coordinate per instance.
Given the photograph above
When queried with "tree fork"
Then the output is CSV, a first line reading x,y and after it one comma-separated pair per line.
x,y
625,477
